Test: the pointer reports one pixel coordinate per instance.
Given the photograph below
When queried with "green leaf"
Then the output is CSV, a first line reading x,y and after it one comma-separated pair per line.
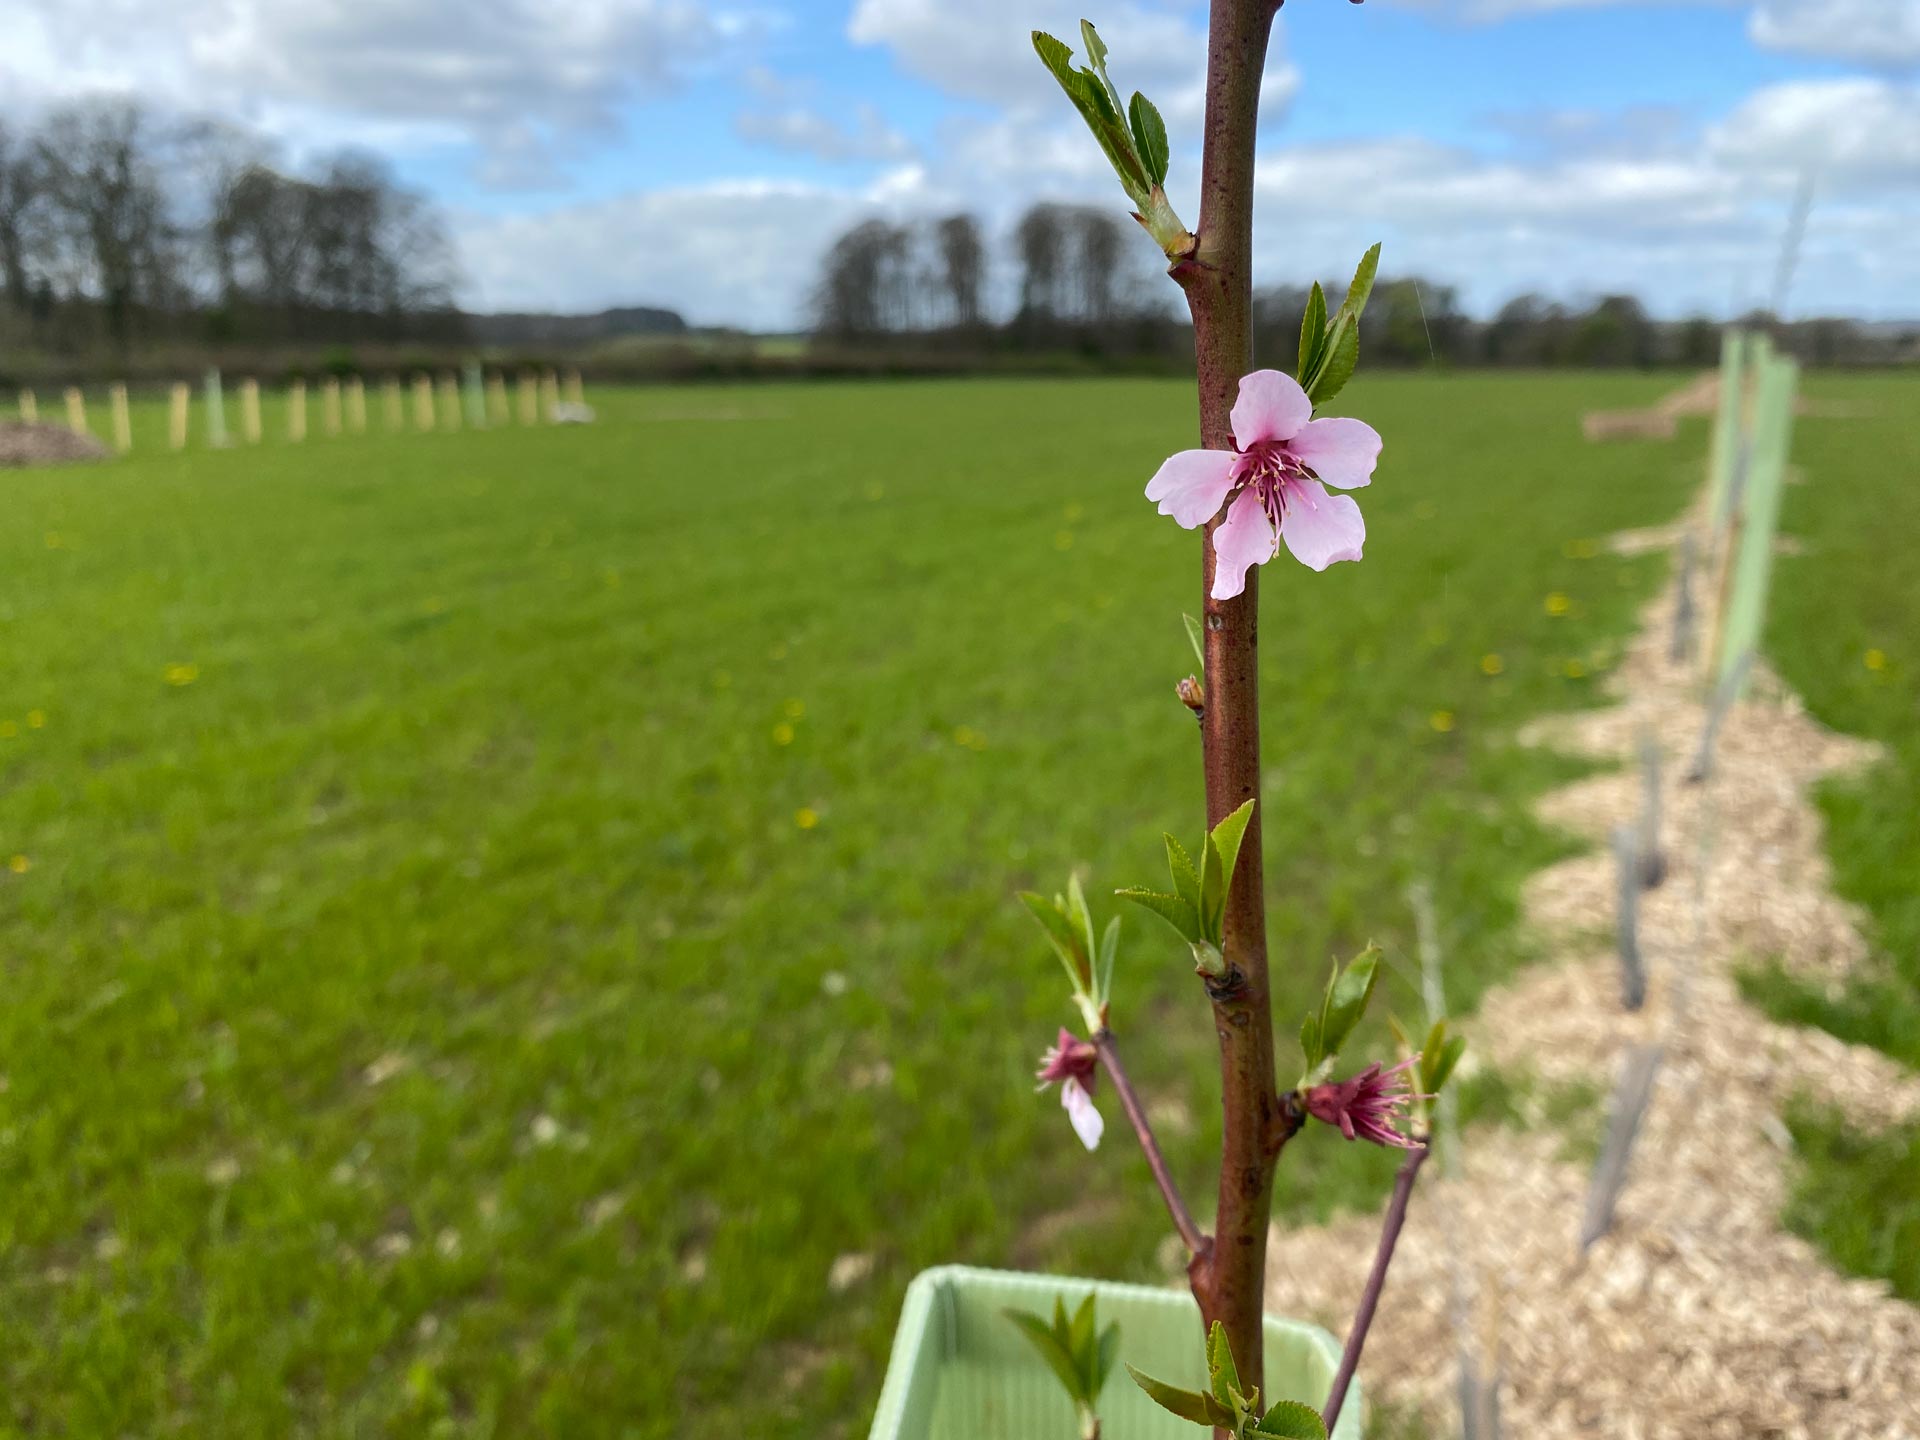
x,y
1082,1341
1220,1367
1171,908
1362,286
1100,108
1187,1404
1311,1045
1293,1420
1337,364
1437,1063
1186,882
1097,59
1060,933
1103,970
1193,635
1051,1350
1313,334
1103,1362
1347,996
1226,838
1149,137
1078,913
1056,55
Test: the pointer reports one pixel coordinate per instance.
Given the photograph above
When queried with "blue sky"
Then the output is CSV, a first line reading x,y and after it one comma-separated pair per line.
x,y
702,153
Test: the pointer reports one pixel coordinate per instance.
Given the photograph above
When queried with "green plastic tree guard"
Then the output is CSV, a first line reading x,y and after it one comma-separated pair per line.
x,y
961,1371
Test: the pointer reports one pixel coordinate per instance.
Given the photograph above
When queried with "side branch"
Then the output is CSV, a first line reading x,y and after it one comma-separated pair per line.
x,y
1190,1234
1376,1281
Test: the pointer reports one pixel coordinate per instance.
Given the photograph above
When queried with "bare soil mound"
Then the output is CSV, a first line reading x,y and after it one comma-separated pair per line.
x,y
24,444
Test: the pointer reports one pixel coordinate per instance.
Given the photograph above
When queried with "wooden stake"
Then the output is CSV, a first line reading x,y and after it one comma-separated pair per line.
x,y
77,411
250,410
1630,873
549,394
297,411
576,390
330,405
122,418
394,412
1653,857
1630,1098
357,405
529,398
449,403
1680,651
423,402
178,401
29,408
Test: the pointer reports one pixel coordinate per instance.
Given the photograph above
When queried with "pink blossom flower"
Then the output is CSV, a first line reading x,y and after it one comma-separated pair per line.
x,y
1282,462
1075,1064
1368,1106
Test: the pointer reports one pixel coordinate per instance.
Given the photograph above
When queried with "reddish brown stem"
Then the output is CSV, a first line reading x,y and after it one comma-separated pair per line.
x,y
1230,1279
1190,1234
1376,1280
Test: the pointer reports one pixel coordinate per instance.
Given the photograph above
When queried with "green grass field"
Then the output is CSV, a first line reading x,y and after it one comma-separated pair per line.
x,y
490,918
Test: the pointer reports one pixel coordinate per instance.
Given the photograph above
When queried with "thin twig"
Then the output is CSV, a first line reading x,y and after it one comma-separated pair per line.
x,y
1190,1234
1376,1281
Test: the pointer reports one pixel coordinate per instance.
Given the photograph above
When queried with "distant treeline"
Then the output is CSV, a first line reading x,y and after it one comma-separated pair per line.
x,y
1084,284
120,230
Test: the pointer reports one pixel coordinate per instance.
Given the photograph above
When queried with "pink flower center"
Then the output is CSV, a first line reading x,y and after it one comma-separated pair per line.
x,y
1270,468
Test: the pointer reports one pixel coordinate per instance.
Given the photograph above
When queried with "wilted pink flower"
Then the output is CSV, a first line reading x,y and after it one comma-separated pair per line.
x,y
1368,1106
1282,462
1076,1065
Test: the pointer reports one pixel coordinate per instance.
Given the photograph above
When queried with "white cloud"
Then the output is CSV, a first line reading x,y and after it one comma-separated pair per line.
x,y
983,50
1878,33
804,130
1491,12
511,75
1852,134
734,251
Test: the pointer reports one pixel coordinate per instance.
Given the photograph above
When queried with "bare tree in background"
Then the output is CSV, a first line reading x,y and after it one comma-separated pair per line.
x,y
963,258
19,190
109,211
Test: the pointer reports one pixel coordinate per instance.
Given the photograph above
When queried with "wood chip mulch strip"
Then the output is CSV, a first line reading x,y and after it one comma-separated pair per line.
x,y
1696,1316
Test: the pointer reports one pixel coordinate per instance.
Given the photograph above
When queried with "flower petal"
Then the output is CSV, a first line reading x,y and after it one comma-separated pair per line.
x,y
1339,452
1087,1123
1272,406
1244,539
1190,486
1319,528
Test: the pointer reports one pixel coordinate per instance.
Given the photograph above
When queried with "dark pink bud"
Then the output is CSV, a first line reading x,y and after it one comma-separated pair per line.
x,y
1070,1059
1368,1106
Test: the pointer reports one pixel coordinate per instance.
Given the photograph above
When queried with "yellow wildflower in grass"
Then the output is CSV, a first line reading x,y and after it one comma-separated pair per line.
x,y
1574,669
19,864
1063,540
795,709
1875,659
806,818
969,738
36,718
783,734
1491,664
1075,511
1441,720
1558,604
182,674
8,729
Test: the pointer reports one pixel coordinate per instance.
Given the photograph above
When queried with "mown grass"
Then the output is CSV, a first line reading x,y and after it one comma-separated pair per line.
x,y
1844,629
496,916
